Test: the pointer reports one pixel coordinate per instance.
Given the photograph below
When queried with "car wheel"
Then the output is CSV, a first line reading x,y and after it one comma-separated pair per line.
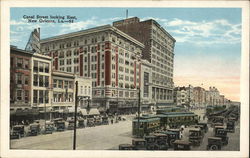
x,y
171,142
214,147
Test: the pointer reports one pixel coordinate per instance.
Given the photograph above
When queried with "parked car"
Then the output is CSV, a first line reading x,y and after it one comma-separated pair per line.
x,y
195,136
34,129
105,120
231,126
214,143
151,142
49,128
161,141
222,133
126,147
181,145
81,123
139,144
60,125
90,122
71,124
17,132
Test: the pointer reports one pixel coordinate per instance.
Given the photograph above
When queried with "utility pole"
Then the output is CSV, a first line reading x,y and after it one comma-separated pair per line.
x,y
76,102
139,104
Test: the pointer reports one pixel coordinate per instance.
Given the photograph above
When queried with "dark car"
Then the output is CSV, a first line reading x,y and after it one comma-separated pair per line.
x,y
71,124
205,127
139,144
151,142
161,141
214,143
195,136
49,128
34,129
81,123
91,122
172,136
17,132
231,126
181,145
222,133
60,125
105,120
126,147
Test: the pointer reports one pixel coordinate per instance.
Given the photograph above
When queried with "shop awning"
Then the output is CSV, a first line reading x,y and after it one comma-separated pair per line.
x,y
83,112
94,112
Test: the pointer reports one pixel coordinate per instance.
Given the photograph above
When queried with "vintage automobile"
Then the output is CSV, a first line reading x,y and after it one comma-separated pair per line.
x,y
214,143
98,121
139,144
161,141
217,119
205,127
17,132
222,133
126,147
105,120
49,128
218,127
91,122
60,125
34,129
195,136
181,145
231,126
151,142
81,123
71,124
172,136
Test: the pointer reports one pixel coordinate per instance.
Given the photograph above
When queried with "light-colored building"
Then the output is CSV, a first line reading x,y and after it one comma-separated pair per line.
x,y
41,81
159,51
84,91
181,96
105,54
199,97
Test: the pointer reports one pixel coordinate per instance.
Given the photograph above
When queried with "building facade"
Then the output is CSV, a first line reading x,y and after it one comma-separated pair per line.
x,y
158,50
41,82
199,97
20,79
105,54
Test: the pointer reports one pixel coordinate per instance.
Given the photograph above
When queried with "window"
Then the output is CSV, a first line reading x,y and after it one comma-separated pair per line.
x,y
19,78
70,84
62,62
19,62
66,84
40,67
68,69
113,66
26,63
26,96
41,96
26,80
19,95
61,55
55,83
68,61
35,96
46,96
46,81
40,81
11,61
46,69
35,82
60,82
35,67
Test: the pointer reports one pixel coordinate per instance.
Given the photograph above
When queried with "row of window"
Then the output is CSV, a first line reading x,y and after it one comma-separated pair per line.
x,y
62,84
22,95
40,96
40,80
41,66
63,97
22,79
20,63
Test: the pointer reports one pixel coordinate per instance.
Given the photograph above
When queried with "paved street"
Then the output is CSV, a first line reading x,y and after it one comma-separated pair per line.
x,y
107,137
96,138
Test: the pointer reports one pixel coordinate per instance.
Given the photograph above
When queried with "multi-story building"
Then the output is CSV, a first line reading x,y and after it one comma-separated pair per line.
x,y
159,50
41,82
20,79
181,96
107,55
199,96
84,91
146,85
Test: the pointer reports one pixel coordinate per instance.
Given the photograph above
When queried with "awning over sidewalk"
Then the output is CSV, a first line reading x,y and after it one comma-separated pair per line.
x,y
94,111
83,112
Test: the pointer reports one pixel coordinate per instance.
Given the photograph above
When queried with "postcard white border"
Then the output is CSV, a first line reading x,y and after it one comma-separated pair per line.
x,y
5,59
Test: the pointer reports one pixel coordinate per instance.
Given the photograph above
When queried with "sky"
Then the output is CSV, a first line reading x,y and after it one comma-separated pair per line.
x,y
208,40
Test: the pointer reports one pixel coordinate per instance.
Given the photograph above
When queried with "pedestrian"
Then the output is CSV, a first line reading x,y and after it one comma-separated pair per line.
x,y
111,120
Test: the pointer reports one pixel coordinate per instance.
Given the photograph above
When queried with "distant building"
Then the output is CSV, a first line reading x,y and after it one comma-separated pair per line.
x,y
199,96
158,50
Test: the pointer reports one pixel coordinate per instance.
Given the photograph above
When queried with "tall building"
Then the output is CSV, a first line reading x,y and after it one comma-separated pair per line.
x,y
20,79
158,50
108,56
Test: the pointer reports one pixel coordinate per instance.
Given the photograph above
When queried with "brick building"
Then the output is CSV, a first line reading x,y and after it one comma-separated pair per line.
x,y
20,79
158,50
105,54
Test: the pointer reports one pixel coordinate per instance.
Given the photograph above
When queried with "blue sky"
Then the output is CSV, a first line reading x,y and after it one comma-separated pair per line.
x,y
208,47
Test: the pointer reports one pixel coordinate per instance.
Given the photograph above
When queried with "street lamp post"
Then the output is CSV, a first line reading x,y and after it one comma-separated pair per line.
x,y
138,117
76,102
